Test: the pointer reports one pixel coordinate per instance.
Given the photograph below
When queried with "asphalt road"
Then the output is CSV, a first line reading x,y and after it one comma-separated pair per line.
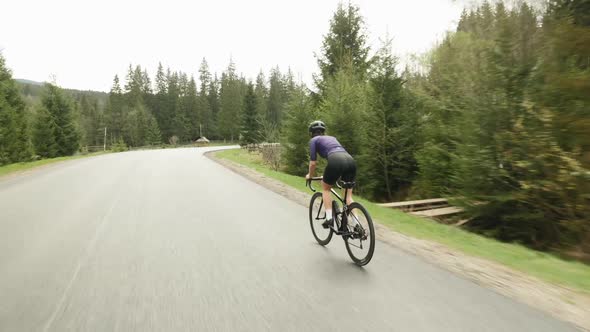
x,y
168,240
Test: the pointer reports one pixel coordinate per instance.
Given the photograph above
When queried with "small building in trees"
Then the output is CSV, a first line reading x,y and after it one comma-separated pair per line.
x,y
202,141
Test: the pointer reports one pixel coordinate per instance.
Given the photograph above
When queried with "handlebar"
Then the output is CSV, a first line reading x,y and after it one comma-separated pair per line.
x,y
308,182
317,178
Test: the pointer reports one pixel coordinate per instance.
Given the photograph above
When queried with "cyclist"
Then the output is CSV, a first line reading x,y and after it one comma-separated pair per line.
x,y
341,165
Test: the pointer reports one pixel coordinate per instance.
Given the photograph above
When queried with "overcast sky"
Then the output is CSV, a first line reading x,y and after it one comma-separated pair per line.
x,y
85,43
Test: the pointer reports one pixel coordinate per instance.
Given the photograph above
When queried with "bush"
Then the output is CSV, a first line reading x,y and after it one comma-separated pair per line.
x,y
271,155
120,146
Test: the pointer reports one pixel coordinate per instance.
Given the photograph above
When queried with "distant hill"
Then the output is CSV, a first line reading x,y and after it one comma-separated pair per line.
x,y
25,81
32,92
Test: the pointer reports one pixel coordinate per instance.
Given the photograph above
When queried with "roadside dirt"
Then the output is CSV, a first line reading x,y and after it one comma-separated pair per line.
x,y
560,302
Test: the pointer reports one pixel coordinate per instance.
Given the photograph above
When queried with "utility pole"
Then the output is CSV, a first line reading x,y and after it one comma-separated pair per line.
x,y
104,148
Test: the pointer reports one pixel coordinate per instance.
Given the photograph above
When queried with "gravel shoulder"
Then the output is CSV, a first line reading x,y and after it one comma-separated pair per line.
x,y
560,302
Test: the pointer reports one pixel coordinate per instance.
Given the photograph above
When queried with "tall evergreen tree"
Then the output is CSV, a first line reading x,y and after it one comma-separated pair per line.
x,y
250,132
388,161
288,85
230,98
160,105
136,86
14,141
137,126
276,98
344,47
261,92
493,135
563,75
153,135
60,108
146,84
177,118
194,112
206,120
213,97
44,134
114,112
295,138
343,109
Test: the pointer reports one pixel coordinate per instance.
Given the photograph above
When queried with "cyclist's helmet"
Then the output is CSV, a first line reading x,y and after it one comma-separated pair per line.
x,y
317,126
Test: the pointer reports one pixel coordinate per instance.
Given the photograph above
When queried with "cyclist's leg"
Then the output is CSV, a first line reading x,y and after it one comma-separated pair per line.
x,y
348,194
327,197
349,175
331,174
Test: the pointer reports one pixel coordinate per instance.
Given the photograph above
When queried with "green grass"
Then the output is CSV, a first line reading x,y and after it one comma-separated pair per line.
x,y
20,167
220,143
542,265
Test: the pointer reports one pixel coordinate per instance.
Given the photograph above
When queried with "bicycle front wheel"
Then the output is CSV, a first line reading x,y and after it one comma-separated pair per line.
x,y
361,243
317,216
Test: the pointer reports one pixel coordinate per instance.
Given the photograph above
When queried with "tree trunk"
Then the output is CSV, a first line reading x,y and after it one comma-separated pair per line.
x,y
387,185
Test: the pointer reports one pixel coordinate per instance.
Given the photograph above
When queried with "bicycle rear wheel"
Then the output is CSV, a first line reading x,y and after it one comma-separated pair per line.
x,y
317,216
361,244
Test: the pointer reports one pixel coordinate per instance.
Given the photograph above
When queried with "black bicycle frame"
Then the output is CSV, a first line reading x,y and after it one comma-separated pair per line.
x,y
342,200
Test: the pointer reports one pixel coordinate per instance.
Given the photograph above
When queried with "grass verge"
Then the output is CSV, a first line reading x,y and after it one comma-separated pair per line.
x,y
20,167
544,266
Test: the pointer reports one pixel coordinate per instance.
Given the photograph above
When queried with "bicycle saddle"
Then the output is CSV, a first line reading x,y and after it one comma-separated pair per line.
x,y
346,185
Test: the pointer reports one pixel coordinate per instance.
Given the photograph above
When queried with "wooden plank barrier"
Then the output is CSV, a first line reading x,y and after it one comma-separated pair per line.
x,y
438,212
430,208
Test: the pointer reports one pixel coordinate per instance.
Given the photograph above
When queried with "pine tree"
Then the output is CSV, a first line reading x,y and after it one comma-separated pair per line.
x,y
344,47
388,162
456,94
250,132
213,97
136,126
193,110
561,81
161,84
230,98
462,25
343,109
261,92
498,91
295,137
160,105
560,89
206,121
147,93
60,108
276,98
135,86
44,134
288,85
153,135
174,114
14,141
114,111
91,122
146,87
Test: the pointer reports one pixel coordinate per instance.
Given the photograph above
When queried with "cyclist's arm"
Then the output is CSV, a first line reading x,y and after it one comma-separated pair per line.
x,y
312,157
312,166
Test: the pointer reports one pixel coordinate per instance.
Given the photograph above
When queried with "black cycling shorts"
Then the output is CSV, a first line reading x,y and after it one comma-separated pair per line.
x,y
341,165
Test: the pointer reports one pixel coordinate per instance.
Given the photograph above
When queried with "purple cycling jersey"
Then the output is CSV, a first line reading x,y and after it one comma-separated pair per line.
x,y
324,145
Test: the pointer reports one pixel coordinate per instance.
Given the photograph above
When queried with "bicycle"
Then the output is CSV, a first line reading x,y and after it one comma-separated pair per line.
x,y
359,230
